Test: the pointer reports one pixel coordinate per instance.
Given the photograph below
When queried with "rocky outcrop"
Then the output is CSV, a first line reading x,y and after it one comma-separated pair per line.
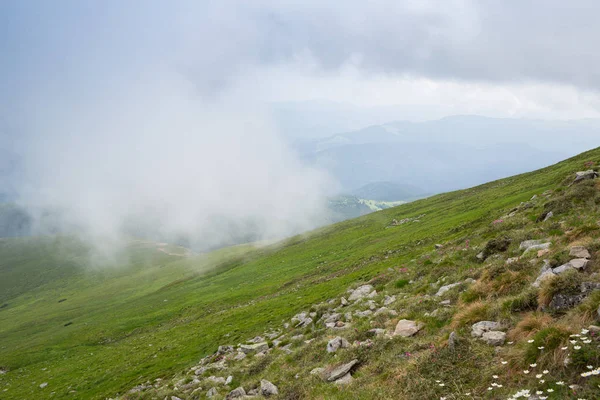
x,y
441,291
585,175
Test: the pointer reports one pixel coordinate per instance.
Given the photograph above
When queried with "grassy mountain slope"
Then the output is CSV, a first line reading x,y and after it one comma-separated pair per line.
x,y
158,314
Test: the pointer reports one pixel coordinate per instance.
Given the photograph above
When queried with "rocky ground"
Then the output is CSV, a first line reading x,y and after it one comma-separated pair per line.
x,y
524,321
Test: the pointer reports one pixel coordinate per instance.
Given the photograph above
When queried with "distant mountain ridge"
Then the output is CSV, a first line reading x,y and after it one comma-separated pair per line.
x,y
449,153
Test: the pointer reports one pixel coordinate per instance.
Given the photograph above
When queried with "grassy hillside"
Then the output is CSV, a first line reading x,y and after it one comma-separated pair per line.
x,y
94,333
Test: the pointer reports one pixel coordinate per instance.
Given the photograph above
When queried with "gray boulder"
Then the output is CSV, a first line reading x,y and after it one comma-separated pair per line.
x,y
236,393
267,388
340,371
337,343
407,328
446,288
561,302
479,328
389,300
494,338
361,292
452,339
344,380
258,347
528,243
535,247
585,175
212,392
579,252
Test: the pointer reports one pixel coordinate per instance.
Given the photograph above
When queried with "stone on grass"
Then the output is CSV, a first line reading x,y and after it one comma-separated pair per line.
x,y
229,380
579,263
337,343
258,347
343,301
212,392
236,393
340,371
361,292
389,300
494,338
218,380
584,175
479,328
344,380
579,252
528,243
446,288
317,371
548,216
561,302
377,332
452,339
267,388
407,328
43,385
536,247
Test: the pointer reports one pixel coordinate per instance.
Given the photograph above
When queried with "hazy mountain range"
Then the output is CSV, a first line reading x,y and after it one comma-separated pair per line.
x,y
447,154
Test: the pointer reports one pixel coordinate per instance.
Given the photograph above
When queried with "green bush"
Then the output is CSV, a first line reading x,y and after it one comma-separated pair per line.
x,y
400,283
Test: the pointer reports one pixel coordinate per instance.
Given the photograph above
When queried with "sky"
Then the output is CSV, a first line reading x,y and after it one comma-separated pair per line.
x,y
160,109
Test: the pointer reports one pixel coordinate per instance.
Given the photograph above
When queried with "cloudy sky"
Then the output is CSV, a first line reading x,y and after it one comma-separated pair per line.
x,y
158,108
534,58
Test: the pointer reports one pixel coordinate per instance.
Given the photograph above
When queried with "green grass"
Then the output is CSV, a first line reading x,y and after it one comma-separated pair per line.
x,y
153,315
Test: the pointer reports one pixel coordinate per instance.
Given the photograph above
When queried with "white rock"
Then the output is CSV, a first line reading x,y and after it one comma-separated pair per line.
x,y
407,328
43,385
344,380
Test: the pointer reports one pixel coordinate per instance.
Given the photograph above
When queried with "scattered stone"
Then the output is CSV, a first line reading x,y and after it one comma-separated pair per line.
x,y
361,292
344,380
260,355
389,300
579,263
218,380
228,380
562,302
239,356
542,246
225,349
385,310
407,328
287,349
336,343
579,252
562,269
340,371
363,314
545,273
511,260
343,301
253,392
446,288
317,371
257,339
587,287
372,305
377,332
439,246
43,385
494,338
212,392
528,243
479,328
297,337
304,323
258,347
267,388
548,216
332,317
584,175
445,302
236,393
452,339
175,398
